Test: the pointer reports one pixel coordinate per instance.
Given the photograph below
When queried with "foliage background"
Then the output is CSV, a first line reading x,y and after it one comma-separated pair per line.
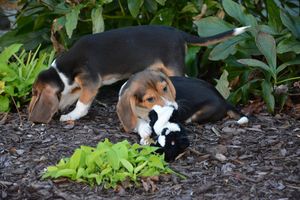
x,y
262,63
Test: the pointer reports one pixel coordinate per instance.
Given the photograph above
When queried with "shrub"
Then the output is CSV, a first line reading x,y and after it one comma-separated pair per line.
x,y
18,70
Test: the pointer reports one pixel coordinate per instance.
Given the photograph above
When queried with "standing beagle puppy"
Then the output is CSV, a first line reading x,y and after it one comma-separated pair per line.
x,y
104,58
195,99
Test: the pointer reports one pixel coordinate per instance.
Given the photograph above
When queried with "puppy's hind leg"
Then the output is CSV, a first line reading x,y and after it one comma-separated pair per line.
x,y
89,88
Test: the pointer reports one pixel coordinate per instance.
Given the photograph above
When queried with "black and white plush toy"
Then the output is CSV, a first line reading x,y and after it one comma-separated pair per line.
x,y
167,133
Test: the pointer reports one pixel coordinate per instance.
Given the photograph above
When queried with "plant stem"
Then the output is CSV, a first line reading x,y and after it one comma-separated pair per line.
x,y
289,79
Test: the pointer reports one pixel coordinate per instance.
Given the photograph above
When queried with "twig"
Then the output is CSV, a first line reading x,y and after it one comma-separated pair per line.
x,y
21,122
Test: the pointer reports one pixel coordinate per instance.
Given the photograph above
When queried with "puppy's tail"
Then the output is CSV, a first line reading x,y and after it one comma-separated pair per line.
x,y
205,41
232,112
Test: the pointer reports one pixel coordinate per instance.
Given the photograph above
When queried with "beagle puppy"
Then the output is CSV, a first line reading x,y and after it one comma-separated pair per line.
x,y
195,100
104,58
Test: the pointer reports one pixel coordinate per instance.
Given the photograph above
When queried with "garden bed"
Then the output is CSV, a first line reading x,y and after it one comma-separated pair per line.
x,y
225,161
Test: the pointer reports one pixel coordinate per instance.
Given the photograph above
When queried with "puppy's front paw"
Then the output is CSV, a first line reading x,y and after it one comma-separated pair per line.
x,y
64,118
146,141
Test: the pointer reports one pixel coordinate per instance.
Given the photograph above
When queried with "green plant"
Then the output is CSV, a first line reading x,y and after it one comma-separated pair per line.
x,y
59,23
110,164
18,70
254,57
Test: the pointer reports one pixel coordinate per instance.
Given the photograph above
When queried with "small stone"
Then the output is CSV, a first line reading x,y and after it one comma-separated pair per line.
x,y
3,194
20,151
228,130
220,157
283,152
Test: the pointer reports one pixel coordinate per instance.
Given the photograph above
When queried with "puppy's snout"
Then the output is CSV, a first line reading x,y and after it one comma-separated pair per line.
x,y
170,103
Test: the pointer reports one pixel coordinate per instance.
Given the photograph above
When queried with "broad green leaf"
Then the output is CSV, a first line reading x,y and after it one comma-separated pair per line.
x,y
209,26
223,50
75,159
134,6
113,159
223,85
163,17
189,8
72,19
237,11
140,167
2,85
80,172
106,171
267,46
287,45
65,173
286,64
97,20
151,5
267,92
150,172
291,22
8,52
4,103
273,15
255,63
127,165
161,2
155,162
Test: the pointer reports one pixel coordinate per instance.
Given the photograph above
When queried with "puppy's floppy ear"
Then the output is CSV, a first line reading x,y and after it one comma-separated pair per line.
x,y
126,111
43,105
171,86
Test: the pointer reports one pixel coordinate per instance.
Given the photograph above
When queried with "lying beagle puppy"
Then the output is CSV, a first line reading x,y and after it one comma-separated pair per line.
x,y
195,99
104,58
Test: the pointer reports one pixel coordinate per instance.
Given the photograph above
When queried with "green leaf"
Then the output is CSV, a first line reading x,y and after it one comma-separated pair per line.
x,y
65,173
291,22
8,52
288,45
113,159
127,165
97,20
4,103
267,46
163,17
295,61
72,19
189,8
209,26
273,15
75,159
224,49
140,167
223,85
255,63
151,5
134,6
161,2
155,161
237,11
267,92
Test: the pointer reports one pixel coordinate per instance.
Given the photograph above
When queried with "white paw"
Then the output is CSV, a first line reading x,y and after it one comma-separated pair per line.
x,y
146,141
64,118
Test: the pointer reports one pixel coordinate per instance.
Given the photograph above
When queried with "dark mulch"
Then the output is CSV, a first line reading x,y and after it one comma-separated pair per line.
x,y
225,161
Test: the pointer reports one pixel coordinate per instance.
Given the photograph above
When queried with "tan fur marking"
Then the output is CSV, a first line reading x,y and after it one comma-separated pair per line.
x,y
88,90
233,114
159,66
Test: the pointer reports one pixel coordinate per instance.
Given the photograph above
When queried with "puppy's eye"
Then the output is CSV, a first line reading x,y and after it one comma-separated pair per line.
x,y
173,143
150,99
165,89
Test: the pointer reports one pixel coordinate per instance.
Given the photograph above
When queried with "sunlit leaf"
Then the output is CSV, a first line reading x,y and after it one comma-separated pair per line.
x,y
134,6
72,20
223,85
97,20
